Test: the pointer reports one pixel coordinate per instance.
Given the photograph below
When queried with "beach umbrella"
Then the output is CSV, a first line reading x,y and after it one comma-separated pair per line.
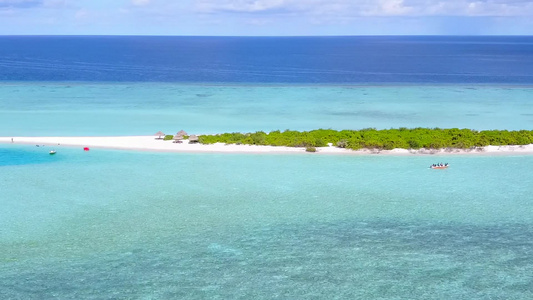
x,y
159,134
177,138
193,139
182,133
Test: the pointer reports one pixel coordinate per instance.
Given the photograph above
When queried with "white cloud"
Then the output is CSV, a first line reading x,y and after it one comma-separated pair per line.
x,y
20,3
357,8
249,6
140,2
266,17
394,7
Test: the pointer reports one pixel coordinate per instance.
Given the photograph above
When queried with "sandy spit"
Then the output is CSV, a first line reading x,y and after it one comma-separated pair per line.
x,y
150,143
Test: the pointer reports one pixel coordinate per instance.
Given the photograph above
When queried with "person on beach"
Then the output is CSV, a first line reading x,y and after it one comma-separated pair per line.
x,y
11,140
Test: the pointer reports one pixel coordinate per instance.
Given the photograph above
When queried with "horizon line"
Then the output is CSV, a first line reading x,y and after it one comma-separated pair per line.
x,y
267,36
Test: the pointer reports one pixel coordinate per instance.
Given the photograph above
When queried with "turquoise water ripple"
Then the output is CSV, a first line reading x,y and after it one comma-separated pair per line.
x,y
117,224
93,109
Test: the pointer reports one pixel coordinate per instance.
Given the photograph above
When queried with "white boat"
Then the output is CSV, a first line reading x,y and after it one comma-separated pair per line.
x,y
52,152
439,166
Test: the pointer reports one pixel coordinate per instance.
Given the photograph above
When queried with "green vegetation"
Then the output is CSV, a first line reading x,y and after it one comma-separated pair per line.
x,y
168,137
370,138
310,149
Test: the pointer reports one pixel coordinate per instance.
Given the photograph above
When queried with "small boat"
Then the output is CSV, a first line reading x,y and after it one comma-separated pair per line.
x,y
439,167
52,152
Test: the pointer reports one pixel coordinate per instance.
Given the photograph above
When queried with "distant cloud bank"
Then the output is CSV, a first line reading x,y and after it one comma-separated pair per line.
x,y
266,17
359,8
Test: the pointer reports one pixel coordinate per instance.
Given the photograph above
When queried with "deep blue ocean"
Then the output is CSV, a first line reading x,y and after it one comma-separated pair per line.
x,y
289,60
110,224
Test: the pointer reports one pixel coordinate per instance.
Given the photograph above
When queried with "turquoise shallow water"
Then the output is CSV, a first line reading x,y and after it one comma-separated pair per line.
x,y
118,225
50,109
138,225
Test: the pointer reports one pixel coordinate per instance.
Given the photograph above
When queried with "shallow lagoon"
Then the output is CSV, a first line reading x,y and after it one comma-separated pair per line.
x,y
70,109
118,224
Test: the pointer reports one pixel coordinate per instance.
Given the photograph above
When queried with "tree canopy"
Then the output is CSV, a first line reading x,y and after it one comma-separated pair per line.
x,y
387,139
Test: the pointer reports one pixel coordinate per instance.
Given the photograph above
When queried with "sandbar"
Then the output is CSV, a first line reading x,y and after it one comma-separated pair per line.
x,y
151,143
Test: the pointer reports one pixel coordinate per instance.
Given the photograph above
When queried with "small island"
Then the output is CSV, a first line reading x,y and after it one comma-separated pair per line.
x,y
401,141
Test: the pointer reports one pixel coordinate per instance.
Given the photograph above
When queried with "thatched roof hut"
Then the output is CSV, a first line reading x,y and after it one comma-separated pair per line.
x,y
193,139
159,134
177,139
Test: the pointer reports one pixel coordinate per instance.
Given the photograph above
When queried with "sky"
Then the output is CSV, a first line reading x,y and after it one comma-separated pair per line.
x,y
266,17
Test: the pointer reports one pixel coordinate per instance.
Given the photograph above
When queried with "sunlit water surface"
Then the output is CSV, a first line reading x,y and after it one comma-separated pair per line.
x,y
70,109
116,224
139,225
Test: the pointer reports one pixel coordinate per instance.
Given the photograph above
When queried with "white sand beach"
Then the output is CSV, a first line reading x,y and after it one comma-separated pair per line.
x,y
150,143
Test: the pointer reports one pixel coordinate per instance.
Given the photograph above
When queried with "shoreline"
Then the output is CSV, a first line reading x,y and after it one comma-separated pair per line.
x,y
150,143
